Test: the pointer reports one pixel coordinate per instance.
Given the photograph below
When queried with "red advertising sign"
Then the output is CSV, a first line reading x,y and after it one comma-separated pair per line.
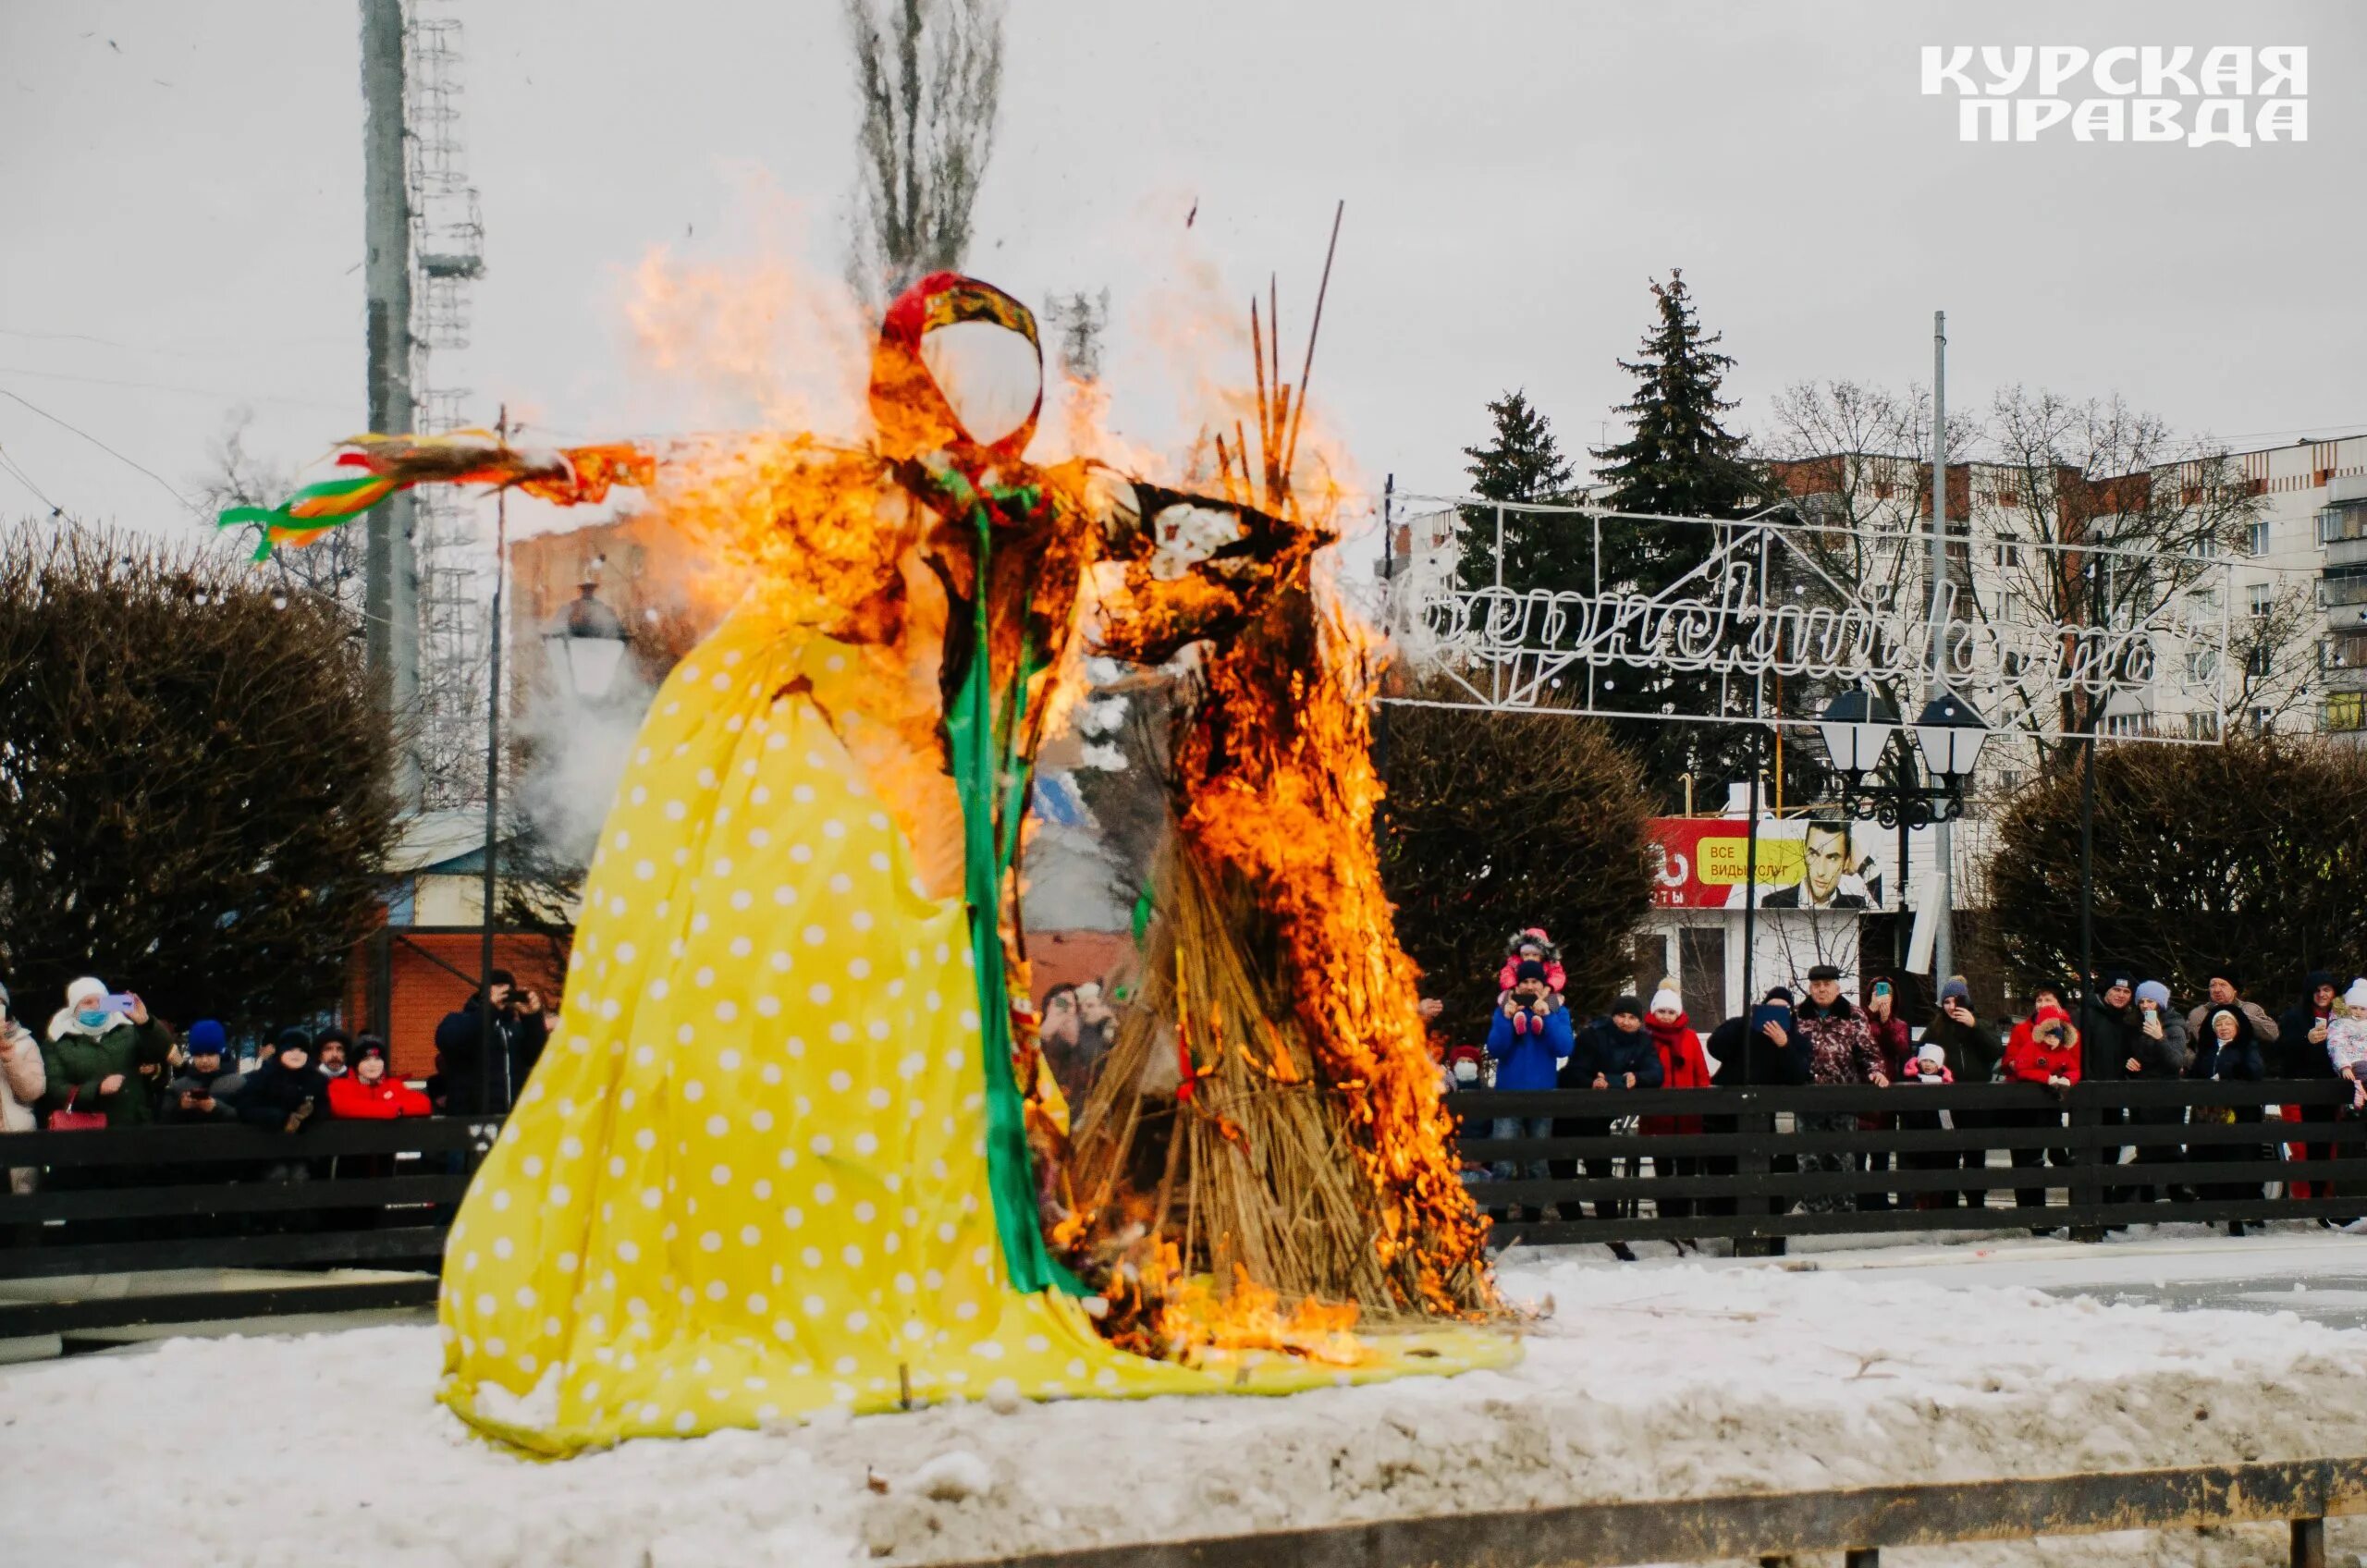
x,y
1703,862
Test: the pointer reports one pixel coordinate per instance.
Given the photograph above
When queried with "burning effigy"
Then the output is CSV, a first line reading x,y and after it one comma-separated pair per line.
x,y
792,1145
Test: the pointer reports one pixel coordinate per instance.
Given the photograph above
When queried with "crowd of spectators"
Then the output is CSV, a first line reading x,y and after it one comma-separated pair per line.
x,y
2123,1030
103,1060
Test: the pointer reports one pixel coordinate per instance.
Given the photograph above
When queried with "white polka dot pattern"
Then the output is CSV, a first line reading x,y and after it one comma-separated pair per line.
x,y
733,1192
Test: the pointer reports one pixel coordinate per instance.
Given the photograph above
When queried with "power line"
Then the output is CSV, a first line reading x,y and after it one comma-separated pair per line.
x,y
103,446
159,349
26,479
168,386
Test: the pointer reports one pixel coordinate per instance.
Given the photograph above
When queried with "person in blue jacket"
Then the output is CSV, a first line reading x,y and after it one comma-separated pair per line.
x,y
1614,1053
1528,1036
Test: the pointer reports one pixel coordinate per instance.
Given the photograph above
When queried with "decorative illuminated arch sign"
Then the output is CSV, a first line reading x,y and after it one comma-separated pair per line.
x,y
1775,605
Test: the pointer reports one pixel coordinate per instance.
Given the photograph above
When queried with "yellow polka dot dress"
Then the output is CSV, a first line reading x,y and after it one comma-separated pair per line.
x,y
748,1178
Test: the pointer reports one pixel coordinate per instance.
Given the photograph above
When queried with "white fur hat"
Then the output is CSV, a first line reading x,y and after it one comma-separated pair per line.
x,y
1665,999
2357,995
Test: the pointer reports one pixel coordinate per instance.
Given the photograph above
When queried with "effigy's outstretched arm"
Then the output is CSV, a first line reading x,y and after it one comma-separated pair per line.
x,y
1195,567
386,465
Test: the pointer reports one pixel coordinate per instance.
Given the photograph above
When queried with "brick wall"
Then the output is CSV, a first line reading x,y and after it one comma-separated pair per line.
x,y
422,990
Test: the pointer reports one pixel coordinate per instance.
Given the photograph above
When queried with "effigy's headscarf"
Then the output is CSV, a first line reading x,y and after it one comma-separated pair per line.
x,y
957,366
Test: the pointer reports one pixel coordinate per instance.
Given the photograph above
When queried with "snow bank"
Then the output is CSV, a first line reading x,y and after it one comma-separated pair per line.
x,y
1647,1381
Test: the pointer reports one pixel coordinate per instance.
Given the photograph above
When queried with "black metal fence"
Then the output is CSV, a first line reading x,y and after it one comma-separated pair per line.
x,y
343,1195
1818,1160
1766,1164
1858,1522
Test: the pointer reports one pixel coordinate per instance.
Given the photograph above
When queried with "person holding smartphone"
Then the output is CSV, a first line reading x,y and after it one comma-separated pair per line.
x,y
105,1055
2158,1053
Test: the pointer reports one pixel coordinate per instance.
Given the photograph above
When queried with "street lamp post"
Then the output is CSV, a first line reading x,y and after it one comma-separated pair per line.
x,y
587,643
1865,741
1863,736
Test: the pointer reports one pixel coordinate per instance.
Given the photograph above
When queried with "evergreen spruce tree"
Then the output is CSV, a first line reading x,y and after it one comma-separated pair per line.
x,y
1522,463
1678,461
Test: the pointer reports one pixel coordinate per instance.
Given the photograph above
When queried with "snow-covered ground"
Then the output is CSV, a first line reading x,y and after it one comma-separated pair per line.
x,y
1664,1378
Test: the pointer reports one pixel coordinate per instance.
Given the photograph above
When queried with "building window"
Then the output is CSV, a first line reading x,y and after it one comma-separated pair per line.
x,y
2258,598
2344,711
2260,659
2201,666
2263,719
2202,726
2259,537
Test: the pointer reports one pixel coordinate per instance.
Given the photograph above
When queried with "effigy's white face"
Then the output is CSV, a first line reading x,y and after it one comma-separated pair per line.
x,y
991,376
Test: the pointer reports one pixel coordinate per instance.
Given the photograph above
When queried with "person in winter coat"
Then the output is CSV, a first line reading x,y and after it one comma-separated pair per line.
x,y
1683,1066
1532,946
2154,1036
1928,1066
22,1082
1529,1035
1612,1054
1895,1043
1841,1051
1763,1047
288,1092
519,1031
2043,1049
2347,1043
2225,990
100,1059
366,1093
206,1088
2104,1012
2230,1052
2300,1052
1968,1055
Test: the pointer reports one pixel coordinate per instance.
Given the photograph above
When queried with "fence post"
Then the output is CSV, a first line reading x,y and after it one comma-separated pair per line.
x,y
2086,1167
1759,1160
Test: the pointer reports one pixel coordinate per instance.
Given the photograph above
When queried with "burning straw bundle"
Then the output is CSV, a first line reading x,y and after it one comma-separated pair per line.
x,y
1211,1087
1270,1116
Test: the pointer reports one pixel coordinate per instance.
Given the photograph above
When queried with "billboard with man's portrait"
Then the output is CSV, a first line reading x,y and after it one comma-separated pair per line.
x,y
1804,862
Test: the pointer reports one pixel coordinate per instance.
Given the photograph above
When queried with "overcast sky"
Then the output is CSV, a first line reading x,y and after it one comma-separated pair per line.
x,y
183,227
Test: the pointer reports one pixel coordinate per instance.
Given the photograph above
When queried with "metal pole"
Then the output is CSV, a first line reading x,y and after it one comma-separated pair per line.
x,y
1751,883
491,1037
1901,930
2086,867
390,574
1943,846
1495,667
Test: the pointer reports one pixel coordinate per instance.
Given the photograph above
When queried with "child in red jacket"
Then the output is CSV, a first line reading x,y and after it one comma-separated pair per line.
x,y
1532,946
366,1093
2045,1048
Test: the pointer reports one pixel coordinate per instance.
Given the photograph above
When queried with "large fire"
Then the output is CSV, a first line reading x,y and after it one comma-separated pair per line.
x,y
1277,1133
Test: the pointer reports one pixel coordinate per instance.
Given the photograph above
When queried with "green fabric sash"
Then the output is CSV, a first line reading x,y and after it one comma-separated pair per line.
x,y
984,747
